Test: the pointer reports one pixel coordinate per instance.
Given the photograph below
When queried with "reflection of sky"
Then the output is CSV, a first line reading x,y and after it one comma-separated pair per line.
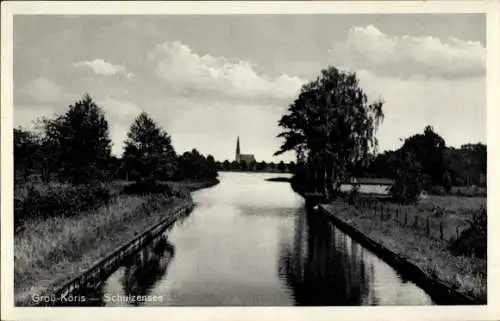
x,y
228,254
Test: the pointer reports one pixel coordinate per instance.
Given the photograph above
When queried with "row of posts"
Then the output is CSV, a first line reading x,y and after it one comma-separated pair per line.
x,y
384,215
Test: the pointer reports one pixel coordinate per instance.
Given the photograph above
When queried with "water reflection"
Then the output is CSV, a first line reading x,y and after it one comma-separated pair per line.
x,y
145,269
323,267
241,233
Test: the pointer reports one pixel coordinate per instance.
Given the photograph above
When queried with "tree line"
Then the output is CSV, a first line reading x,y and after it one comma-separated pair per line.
x,y
75,147
463,166
331,127
262,166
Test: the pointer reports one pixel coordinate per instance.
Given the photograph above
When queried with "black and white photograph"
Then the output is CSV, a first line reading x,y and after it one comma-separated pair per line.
x,y
248,160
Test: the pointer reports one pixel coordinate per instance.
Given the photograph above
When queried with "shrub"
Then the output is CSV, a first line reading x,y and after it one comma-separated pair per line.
x,y
353,196
45,201
437,190
409,181
472,241
179,191
144,187
439,211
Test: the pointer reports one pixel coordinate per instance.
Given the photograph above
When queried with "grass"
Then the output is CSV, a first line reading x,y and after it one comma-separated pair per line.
x,y
428,252
452,212
51,251
463,191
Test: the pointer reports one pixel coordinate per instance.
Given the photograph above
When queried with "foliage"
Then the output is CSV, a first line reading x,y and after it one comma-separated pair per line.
x,y
464,166
409,181
149,155
49,200
332,126
467,165
281,166
353,196
193,165
27,156
78,142
261,166
473,241
428,149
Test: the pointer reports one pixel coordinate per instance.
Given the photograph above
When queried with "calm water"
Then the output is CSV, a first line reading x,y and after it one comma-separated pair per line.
x,y
251,242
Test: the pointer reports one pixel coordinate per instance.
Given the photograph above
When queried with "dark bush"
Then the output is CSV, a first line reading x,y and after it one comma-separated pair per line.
x,y
179,191
58,200
437,190
472,241
409,181
353,195
438,211
148,186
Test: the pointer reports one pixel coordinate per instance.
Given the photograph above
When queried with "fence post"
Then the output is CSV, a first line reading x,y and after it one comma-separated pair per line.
x,y
427,229
397,216
441,234
406,218
416,221
457,231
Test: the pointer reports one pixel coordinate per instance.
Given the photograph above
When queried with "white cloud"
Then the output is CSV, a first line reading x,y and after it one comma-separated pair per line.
x,y
455,108
186,71
104,68
368,47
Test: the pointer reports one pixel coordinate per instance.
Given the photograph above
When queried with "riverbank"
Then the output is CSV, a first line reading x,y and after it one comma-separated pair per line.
x,y
49,252
430,254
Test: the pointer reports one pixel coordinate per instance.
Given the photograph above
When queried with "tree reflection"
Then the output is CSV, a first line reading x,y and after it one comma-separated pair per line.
x,y
323,267
147,267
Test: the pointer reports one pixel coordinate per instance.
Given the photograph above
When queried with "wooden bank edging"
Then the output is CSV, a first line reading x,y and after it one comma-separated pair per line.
x,y
99,271
439,292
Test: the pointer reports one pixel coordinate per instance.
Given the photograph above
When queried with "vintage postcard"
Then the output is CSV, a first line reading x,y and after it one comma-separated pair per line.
x,y
300,160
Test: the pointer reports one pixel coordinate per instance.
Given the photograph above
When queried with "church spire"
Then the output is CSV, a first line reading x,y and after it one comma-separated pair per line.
x,y
238,149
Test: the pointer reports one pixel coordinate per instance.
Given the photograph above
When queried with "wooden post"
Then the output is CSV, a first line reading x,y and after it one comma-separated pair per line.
x,y
416,221
441,234
427,229
406,218
397,216
457,231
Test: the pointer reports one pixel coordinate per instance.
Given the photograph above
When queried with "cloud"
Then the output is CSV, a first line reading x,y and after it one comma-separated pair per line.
x,y
104,68
368,47
42,90
189,72
455,108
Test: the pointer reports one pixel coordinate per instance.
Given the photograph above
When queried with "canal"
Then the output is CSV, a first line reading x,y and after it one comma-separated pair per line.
x,y
251,242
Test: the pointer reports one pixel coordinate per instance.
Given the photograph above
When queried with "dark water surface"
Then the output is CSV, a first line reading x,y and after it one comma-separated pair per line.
x,y
251,242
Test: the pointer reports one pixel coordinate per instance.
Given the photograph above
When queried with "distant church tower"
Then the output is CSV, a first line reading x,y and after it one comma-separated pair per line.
x,y
249,158
237,158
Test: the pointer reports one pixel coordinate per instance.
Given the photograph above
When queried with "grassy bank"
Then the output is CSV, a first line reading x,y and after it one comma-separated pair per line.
x,y
50,251
394,227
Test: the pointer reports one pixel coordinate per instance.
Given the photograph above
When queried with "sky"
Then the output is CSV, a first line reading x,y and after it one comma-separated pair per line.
x,y
207,79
